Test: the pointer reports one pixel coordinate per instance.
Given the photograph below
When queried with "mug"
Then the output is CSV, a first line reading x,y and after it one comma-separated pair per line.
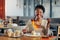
x,y
44,23
9,32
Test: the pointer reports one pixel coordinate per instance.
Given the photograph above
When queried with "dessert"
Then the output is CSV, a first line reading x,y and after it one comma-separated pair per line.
x,y
34,33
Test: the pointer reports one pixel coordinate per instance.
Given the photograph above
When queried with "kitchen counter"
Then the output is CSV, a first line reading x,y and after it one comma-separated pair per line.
x,y
27,38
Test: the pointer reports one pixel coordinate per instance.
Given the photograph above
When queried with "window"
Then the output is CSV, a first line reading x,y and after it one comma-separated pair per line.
x,y
56,9
28,8
46,4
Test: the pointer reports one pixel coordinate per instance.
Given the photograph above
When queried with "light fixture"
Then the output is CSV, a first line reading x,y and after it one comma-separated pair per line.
x,y
55,2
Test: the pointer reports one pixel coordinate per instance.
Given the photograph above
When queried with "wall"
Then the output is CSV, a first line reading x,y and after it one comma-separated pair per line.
x,y
11,8
47,10
56,12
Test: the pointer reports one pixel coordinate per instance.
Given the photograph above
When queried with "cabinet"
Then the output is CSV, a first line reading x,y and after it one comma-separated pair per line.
x,y
2,9
2,13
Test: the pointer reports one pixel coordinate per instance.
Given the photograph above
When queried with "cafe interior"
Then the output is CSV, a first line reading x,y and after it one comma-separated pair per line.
x,y
15,14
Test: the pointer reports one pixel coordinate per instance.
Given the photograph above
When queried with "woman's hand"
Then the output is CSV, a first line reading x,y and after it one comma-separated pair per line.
x,y
49,20
24,31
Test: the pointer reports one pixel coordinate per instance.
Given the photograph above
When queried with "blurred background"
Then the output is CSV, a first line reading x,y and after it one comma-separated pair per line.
x,y
25,8
22,10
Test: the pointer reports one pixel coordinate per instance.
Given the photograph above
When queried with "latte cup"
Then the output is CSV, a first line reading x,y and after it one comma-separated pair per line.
x,y
9,32
17,33
44,23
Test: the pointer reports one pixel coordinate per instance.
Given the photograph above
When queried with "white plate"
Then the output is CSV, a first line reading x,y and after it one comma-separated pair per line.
x,y
28,34
15,36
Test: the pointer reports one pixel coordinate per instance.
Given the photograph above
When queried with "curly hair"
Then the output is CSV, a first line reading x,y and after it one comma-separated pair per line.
x,y
40,7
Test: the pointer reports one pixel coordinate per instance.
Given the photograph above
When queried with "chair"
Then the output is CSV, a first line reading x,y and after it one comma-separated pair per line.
x,y
54,28
50,32
58,32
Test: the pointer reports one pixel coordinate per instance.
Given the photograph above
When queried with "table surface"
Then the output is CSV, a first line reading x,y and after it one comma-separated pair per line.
x,y
26,38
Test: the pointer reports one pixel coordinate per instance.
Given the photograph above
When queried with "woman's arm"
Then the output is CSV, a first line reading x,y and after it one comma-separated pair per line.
x,y
29,26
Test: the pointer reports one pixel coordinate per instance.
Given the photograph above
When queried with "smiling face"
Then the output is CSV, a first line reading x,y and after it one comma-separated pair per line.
x,y
39,13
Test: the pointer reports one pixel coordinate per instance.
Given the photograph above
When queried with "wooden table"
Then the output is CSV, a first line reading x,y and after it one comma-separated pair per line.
x,y
26,38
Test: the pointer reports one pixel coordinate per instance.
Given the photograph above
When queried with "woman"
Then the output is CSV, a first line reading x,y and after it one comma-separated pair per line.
x,y
35,23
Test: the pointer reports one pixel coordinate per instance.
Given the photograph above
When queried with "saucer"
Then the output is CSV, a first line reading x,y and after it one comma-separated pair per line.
x,y
29,34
